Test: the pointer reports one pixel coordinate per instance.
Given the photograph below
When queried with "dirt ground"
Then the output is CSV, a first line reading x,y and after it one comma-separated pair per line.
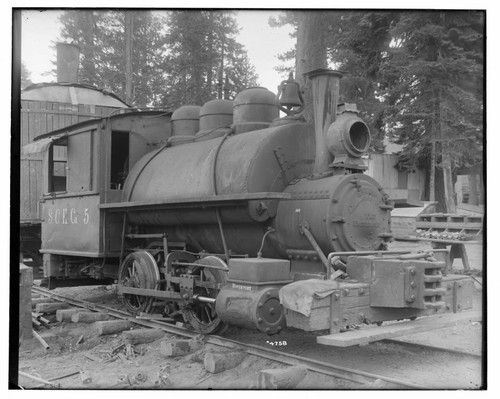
x,y
147,368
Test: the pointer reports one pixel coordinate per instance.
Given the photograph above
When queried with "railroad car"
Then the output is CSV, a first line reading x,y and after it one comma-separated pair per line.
x,y
46,107
228,214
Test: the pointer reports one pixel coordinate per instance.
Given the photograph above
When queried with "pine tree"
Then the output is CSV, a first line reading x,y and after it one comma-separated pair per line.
x,y
173,56
25,77
198,44
433,78
352,42
417,79
101,37
357,46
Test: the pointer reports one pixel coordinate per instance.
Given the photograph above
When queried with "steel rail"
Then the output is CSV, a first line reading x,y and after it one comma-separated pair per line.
x,y
357,376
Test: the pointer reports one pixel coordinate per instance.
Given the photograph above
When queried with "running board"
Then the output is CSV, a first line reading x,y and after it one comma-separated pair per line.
x,y
374,333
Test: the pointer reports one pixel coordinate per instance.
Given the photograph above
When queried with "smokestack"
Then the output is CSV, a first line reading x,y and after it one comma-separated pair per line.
x,y
325,94
68,60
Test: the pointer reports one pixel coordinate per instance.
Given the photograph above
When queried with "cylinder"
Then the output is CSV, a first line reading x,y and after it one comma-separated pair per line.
x,y
68,60
325,93
259,309
254,108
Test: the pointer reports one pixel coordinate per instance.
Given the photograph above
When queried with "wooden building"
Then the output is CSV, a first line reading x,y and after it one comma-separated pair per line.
x,y
406,188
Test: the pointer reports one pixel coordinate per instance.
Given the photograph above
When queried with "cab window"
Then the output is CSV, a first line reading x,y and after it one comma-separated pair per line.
x,y
119,159
58,159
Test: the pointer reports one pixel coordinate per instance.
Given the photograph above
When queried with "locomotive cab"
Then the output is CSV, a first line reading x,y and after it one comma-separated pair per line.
x,y
85,166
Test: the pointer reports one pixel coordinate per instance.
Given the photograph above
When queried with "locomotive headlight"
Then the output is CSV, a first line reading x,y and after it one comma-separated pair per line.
x,y
348,136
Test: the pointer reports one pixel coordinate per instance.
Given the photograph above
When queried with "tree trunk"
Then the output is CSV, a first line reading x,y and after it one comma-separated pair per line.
x,y
310,53
432,174
449,192
449,196
129,28
112,326
473,197
142,336
65,315
50,308
89,317
440,196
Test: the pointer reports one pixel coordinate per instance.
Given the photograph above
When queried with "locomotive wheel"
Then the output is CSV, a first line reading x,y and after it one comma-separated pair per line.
x,y
138,270
201,315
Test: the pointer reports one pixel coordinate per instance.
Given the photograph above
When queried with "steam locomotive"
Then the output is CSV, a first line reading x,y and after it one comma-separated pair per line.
x,y
228,214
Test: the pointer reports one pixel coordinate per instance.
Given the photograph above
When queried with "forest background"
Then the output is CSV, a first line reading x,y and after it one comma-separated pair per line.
x,y
417,76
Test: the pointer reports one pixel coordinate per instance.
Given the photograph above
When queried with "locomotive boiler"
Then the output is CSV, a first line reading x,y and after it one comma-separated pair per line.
x,y
238,208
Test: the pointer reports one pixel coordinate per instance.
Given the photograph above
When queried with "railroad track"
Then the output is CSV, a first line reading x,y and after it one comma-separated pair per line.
x,y
364,379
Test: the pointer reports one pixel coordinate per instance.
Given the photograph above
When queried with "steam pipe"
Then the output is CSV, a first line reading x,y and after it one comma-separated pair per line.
x,y
325,94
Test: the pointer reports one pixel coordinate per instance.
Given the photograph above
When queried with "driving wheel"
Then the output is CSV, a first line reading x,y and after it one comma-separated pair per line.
x,y
139,270
202,315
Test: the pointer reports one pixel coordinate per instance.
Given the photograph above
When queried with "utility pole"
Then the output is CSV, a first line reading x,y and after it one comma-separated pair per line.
x,y
129,28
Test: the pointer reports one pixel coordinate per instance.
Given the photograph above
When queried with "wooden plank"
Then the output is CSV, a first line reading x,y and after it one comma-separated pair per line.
x,y
446,225
56,111
37,122
54,117
365,336
25,190
50,117
31,123
43,119
23,139
60,118
35,186
448,242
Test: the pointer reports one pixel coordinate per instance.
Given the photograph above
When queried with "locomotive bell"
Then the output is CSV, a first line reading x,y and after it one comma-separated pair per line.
x,y
289,96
